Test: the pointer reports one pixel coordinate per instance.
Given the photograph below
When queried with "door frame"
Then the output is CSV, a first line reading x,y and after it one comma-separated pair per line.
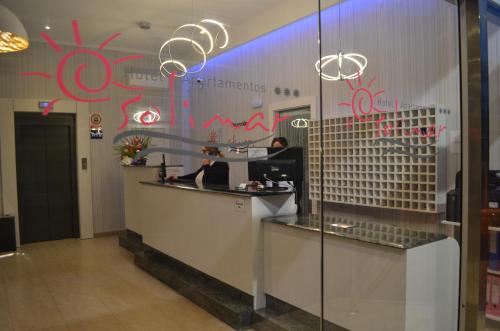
x,y
8,158
310,101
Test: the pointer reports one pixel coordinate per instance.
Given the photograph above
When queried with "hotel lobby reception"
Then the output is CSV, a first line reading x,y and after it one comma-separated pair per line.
x,y
250,165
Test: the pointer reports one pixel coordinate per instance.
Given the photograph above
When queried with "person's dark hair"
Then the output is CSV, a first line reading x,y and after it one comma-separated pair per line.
x,y
281,140
212,151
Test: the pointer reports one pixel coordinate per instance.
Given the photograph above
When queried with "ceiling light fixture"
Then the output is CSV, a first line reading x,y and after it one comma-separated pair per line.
x,y
166,58
300,123
13,36
222,28
148,117
358,60
47,27
165,72
175,62
202,31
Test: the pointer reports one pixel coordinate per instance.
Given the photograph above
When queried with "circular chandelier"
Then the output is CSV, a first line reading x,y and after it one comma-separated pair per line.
x,y
300,123
203,40
147,117
359,61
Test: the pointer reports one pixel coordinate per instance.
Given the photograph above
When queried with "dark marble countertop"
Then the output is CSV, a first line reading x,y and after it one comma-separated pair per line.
x,y
249,192
366,231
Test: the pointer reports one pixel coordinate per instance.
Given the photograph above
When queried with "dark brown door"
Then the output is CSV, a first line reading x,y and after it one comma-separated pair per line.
x,y
46,176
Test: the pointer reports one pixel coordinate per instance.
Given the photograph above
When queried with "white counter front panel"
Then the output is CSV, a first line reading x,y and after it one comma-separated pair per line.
x,y
216,233
367,286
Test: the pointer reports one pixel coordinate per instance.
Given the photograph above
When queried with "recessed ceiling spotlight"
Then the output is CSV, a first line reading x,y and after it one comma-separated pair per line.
x,y
144,25
47,27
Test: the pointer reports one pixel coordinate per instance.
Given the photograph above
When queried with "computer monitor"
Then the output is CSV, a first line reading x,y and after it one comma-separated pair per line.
x,y
294,154
291,153
273,170
292,167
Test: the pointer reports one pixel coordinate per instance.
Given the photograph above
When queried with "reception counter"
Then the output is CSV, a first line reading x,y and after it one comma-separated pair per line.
x,y
245,255
215,230
377,276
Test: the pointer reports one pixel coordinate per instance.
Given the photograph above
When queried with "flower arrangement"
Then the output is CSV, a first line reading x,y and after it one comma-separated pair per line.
x,y
129,148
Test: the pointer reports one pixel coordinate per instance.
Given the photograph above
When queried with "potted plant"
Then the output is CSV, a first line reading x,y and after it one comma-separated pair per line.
x,y
129,148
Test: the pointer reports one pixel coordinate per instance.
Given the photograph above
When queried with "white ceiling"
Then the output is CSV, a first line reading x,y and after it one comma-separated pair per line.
x,y
99,19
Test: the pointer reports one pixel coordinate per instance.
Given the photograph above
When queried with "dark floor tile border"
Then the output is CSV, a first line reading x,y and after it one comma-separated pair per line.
x,y
199,276
266,325
133,235
131,241
289,317
190,283
225,302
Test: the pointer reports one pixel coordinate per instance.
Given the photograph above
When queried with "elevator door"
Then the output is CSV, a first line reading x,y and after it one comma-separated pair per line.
x,y
46,176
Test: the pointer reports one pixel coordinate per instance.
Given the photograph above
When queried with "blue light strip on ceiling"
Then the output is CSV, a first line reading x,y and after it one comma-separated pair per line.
x,y
291,30
281,34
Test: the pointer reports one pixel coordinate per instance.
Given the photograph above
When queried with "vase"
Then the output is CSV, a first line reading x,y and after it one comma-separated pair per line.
x,y
126,160
140,162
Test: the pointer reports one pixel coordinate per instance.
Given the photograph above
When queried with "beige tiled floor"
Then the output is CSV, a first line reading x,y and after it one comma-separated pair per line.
x,y
90,285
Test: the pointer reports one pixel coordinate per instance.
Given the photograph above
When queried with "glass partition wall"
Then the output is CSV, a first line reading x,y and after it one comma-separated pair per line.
x,y
387,187
488,285
263,87
365,92
258,83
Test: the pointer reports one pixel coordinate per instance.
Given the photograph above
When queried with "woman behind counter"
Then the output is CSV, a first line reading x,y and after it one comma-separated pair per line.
x,y
279,142
211,172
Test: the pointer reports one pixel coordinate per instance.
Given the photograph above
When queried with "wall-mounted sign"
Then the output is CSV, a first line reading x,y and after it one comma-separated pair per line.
x,y
96,126
43,104
95,120
147,80
96,133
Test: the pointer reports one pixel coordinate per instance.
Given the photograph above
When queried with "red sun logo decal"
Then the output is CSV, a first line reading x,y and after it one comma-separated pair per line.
x,y
361,94
107,66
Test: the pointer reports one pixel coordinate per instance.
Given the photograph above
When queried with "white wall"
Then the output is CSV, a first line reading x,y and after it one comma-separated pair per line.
x,y
106,172
411,47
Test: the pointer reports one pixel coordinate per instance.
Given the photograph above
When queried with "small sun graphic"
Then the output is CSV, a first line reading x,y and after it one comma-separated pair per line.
x,y
359,94
107,65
